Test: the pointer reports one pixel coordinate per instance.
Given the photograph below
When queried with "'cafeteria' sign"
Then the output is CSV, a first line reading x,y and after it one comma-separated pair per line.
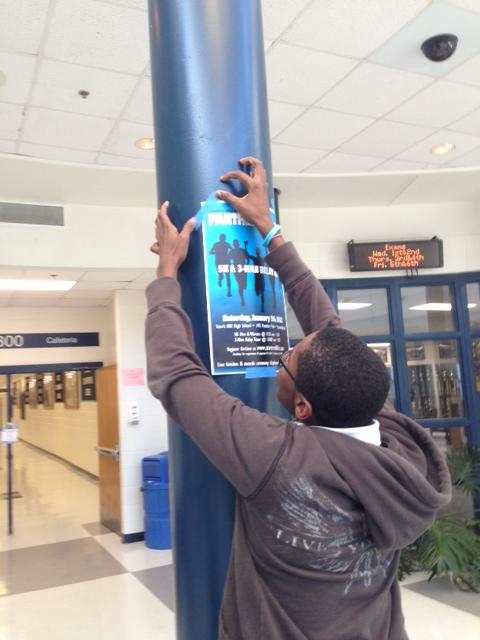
x,y
47,340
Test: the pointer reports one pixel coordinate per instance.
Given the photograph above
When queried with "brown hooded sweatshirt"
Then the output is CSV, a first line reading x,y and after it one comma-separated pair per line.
x,y
321,517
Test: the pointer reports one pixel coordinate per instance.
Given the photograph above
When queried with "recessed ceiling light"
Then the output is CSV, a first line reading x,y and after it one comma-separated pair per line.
x,y
36,285
352,306
441,149
145,143
432,306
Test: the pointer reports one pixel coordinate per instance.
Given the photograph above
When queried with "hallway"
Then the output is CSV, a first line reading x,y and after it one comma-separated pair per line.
x,y
63,575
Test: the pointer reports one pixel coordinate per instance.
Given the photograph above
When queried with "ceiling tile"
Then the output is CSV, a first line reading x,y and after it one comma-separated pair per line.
x,y
320,129
10,120
90,285
287,159
472,158
123,161
281,115
98,34
348,28
403,50
56,153
93,294
275,21
399,165
58,84
438,104
115,276
139,108
421,152
133,4
385,139
471,5
69,130
468,124
373,90
22,23
469,72
29,301
301,76
343,163
61,274
18,69
122,140
7,146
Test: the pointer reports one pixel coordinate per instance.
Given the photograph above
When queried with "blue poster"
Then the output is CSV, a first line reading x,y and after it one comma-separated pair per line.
x,y
246,303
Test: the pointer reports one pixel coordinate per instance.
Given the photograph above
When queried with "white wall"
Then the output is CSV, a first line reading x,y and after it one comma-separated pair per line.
x,y
71,434
321,234
57,320
150,435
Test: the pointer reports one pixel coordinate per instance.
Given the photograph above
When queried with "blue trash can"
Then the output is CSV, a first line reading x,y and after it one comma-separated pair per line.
x,y
156,501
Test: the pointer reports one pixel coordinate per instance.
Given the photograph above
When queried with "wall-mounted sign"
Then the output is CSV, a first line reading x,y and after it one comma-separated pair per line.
x,y
395,255
44,340
246,305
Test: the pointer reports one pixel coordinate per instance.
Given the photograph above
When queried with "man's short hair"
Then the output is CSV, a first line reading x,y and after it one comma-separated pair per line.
x,y
343,379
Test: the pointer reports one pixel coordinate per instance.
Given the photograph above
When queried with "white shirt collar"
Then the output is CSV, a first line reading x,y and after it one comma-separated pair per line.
x,y
369,433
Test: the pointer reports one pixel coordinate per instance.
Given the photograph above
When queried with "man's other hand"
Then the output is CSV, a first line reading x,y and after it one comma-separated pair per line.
x,y
254,206
171,246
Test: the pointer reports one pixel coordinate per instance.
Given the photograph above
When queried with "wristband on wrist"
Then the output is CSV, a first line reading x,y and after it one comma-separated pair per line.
x,y
274,231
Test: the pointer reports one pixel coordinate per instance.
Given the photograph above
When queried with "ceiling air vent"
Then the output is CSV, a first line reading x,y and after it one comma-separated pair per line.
x,y
19,213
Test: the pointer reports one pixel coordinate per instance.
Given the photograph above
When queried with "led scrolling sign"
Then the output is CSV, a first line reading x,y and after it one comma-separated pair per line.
x,y
395,255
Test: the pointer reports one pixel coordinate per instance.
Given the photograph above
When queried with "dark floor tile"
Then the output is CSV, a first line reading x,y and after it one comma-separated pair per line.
x,y
96,528
54,565
444,591
160,582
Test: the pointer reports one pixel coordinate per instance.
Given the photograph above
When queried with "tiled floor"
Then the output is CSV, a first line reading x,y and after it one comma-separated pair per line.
x,y
63,575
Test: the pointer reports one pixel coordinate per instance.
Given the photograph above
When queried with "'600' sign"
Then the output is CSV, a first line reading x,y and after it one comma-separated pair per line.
x,y
11,341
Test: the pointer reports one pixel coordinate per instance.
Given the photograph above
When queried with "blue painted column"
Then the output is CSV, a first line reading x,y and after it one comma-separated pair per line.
x,y
210,109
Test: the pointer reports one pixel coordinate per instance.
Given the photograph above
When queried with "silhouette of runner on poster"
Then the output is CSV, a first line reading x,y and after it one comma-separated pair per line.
x,y
220,250
239,259
259,279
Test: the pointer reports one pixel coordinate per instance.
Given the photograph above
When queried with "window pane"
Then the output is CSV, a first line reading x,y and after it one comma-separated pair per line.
x,y
295,331
427,309
473,297
364,311
384,351
435,381
476,363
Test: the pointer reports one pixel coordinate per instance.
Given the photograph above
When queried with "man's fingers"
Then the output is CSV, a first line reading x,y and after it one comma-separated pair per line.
x,y
226,196
242,177
188,227
257,168
154,248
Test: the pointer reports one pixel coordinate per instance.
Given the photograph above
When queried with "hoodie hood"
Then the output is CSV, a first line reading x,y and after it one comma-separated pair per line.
x,y
401,485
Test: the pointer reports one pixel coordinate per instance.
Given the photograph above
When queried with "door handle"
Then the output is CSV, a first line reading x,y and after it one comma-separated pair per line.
x,y
109,453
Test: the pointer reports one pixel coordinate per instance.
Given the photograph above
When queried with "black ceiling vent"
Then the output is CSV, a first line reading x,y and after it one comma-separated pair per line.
x,y
20,213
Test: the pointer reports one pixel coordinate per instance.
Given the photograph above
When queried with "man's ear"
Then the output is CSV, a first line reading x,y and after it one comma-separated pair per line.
x,y
302,409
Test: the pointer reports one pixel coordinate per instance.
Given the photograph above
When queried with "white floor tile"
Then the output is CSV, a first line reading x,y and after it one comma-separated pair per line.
x,y
134,556
119,608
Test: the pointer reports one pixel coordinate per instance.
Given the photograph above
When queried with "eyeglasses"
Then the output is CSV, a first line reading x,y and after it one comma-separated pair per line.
x,y
282,362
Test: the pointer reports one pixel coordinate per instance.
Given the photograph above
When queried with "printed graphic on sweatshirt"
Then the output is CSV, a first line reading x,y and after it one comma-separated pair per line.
x,y
336,540
246,304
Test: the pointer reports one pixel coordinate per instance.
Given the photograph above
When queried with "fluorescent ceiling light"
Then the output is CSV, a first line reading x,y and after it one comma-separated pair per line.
x,y
471,305
36,285
378,344
442,149
432,306
352,306
145,143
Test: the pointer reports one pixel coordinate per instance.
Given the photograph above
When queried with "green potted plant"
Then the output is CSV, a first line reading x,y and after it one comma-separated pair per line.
x,y
452,544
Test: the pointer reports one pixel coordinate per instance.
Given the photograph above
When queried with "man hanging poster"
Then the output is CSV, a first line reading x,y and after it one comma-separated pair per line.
x,y
246,304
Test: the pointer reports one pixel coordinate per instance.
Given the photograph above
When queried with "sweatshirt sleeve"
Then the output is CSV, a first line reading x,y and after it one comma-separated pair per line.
x,y
241,442
306,295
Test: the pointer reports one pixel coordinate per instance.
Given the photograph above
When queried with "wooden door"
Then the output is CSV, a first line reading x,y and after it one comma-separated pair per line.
x,y
108,447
